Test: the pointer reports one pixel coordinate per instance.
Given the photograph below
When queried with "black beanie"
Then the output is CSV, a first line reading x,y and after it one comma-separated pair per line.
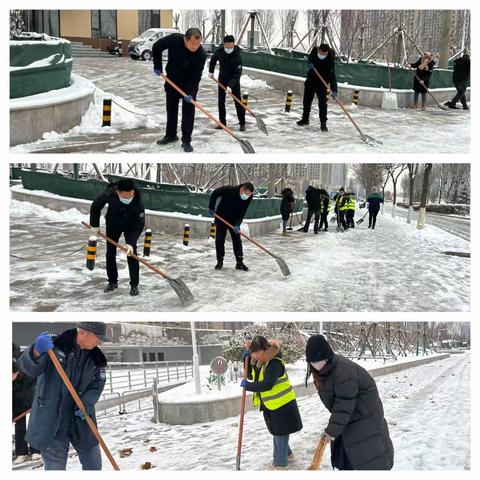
x,y
125,185
228,39
318,349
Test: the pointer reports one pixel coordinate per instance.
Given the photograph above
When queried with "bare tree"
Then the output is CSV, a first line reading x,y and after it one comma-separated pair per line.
x,y
412,173
267,17
395,170
239,18
423,198
192,18
369,175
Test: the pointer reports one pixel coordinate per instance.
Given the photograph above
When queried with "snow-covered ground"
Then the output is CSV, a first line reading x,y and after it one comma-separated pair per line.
x,y
427,409
133,86
393,268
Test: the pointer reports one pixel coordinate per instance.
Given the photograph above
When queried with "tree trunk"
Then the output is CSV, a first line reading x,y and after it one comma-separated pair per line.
x,y
446,36
410,200
423,198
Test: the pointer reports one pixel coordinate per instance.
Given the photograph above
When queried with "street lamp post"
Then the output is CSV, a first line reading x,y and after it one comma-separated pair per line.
x,y
196,366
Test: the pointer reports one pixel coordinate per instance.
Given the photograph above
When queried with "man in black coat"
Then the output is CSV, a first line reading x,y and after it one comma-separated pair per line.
x,y
233,205
322,59
460,77
55,420
186,59
125,214
312,197
324,209
357,429
230,61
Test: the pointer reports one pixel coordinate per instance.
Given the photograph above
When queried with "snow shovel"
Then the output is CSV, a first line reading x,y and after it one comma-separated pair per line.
x,y
19,417
81,406
177,284
260,123
318,455
242,416
362,219
245,144
443,107
281,262
372,142
389,99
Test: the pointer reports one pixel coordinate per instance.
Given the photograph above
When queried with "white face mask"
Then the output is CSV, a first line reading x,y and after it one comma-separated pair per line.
x,y
321,57
228,50
318,365
126,201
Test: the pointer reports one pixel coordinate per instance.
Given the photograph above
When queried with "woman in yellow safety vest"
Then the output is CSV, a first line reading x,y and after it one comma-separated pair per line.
x,y
273,393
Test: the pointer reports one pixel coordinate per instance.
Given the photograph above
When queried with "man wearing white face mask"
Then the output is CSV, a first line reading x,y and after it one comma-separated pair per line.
x,y
230,62
357,430
125,214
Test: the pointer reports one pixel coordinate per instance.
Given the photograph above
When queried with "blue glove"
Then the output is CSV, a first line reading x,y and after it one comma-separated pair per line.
x,y
211,212
188,98
334,94
243,382
236,229
43,343
78,413
311,66
158,71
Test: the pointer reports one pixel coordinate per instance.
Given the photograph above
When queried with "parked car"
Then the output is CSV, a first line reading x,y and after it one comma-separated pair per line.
x,y
141,46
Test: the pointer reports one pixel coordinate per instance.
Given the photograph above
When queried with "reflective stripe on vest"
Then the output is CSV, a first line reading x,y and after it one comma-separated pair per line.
x,y
351,204
344,206
280,394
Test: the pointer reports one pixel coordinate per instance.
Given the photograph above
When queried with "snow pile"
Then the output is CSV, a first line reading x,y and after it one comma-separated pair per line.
x,y
72,215
45,62
249,82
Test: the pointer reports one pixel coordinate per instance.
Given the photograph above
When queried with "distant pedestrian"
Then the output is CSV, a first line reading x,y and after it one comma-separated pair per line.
x,y
350,210
423,72
325,205
286,207
461,76
312,197
374,200
341,202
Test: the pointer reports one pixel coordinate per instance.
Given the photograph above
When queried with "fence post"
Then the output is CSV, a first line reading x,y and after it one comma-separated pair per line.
x,y
168,372
110,380
155,401
129,380
144,376
176,364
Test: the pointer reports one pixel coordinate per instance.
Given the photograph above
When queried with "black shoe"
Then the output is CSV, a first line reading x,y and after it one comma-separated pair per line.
x,y
134,291
326,230
187,147
167,139
242,127
369,226
323,127
241,266
303,122
465,106
315,232
110,287
219,266
452,106
218,127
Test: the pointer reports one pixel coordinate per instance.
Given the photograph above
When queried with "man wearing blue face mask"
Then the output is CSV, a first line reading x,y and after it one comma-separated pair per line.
x,y
321,59
233,205
125,214
230,61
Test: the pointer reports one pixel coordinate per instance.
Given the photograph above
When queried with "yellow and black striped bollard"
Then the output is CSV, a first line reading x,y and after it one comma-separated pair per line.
x,y
147,243
213,230
91,252
288,101
355,96
107,112
245,99
327,98
186,235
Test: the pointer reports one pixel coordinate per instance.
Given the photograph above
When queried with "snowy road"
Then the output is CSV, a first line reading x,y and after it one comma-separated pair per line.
x,y
427,409
137,89
393,268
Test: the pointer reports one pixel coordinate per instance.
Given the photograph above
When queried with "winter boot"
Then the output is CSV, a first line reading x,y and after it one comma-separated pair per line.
x,y
285,234
167,139
451,105
134,291
465,106
21,459
242,127
187,147
323,127
110,287
36,456
219,265
303,122
241,266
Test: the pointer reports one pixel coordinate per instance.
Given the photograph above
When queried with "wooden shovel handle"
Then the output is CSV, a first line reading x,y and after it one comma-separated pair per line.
x,y
234,97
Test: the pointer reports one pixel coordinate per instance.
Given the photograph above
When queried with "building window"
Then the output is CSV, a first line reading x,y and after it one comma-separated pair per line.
x,y
144,357
151,357
148,19
104,23
42,21
160,356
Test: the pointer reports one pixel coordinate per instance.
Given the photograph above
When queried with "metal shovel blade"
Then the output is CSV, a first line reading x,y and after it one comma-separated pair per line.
x,y
360,221
181,289
283,266
246,146
443,107
372,142
261,125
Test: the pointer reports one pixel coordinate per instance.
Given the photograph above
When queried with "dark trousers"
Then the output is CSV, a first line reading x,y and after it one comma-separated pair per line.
x,y
131,238
350,215
222,112
309,218
21,446
220,237
324,220
372,219
312,89
188,114
342,220
461,89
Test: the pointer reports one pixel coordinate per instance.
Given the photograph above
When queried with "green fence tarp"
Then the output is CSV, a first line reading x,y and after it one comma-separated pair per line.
x,y
51,72
160,200
359,74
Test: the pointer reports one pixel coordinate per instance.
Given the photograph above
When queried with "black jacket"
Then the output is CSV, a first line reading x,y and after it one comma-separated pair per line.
x,y
231,207
230,66
286,419
325,67
424,75
287,205
23,391
312,197
183,67
357,420
374,201
461,69
126,218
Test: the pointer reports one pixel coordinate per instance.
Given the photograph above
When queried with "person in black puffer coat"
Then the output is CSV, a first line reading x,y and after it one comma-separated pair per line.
x,y
322,59
357,430
423,72
286,207
312,197
230,60
125,214
460,77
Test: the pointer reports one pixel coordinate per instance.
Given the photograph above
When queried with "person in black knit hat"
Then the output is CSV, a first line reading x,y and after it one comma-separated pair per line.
x,y
357,430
